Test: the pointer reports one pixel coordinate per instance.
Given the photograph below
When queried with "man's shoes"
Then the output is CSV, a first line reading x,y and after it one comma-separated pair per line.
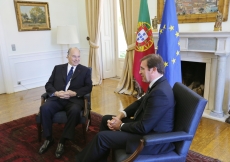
x,y
60,150
45,146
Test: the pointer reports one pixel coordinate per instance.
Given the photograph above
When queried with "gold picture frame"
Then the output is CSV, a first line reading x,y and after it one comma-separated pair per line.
x,y
222,7
32,16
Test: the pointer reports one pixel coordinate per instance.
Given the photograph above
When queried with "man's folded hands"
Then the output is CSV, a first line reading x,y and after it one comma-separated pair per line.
x,y
65,94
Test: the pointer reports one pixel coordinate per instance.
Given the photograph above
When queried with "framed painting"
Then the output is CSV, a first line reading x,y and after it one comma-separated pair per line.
x,y
32,16
196,11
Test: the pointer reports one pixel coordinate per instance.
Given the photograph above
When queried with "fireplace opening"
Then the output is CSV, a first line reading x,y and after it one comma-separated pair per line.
x,y
193,75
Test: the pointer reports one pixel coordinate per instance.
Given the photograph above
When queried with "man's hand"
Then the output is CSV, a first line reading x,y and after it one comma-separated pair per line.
x,y
62,94
65,94
72,93
114,124
121,116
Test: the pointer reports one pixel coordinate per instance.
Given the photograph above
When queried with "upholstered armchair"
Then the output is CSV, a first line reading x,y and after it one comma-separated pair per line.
x,y
188,112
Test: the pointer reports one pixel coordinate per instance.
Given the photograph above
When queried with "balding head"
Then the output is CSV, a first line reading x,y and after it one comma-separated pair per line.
x,y
73,56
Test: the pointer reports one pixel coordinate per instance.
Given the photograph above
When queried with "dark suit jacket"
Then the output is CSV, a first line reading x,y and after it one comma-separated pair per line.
x,y
157,114
81,82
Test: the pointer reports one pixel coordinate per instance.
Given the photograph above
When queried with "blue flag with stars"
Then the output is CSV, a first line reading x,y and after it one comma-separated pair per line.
x,y
169,43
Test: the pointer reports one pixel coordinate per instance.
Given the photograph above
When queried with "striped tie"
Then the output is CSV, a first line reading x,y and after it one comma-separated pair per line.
x,y
69,76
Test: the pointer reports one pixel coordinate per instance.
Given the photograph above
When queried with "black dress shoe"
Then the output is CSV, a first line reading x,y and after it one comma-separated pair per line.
x,y
60,150
45,146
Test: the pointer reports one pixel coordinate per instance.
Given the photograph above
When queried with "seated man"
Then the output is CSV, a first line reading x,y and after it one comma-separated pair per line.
x,y
66,87
153,113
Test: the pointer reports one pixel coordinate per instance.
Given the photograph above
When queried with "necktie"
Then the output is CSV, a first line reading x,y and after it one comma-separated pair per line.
x,y
69,76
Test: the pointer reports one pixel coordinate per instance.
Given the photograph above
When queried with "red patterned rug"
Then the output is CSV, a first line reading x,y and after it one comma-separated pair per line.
x,y
19,142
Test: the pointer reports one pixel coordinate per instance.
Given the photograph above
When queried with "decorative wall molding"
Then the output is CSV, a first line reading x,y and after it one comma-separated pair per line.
x,y
34,69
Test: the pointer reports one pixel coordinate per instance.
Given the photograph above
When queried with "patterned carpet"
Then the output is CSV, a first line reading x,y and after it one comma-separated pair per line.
x,y
19,142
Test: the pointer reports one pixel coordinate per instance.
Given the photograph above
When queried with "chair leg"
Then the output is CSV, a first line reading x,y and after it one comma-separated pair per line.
x,y
89,118
88,123
39,132
84,132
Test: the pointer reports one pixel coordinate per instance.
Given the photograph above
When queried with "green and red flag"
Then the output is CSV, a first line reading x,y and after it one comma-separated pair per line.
x,y
144,42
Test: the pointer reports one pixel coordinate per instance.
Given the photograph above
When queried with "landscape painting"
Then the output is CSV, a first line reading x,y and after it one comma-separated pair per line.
x,y
184,7
196,11
32,16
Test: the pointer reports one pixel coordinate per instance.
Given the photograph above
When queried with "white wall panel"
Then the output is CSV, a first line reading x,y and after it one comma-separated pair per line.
x,y
34,69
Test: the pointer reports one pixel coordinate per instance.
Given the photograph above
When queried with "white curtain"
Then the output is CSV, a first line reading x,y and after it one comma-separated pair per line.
x,y
129,15
93,15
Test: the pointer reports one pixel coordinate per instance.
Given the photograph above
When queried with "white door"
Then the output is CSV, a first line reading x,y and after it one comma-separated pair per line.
x,y
107,40
2,85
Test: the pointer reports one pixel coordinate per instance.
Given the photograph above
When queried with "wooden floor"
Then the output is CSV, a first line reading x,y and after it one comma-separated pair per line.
x,y
212,137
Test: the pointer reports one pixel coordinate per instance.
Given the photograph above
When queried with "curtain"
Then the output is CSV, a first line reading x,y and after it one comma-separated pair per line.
x,y
93,15
129,15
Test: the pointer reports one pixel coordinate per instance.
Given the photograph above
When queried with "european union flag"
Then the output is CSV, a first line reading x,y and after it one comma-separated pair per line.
x,y
169,43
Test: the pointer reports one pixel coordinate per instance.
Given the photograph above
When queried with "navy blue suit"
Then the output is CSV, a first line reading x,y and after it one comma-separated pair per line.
x,y
81,83
156,115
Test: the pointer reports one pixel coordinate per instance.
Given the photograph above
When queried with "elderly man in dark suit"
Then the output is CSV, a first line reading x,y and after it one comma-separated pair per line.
x,y
153,112
66,87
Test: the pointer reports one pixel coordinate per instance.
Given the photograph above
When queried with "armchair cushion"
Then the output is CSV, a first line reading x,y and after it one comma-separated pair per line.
x,y
131,146
159,138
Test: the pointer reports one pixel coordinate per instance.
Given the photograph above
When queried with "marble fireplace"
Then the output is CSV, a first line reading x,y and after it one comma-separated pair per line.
x,y
213,49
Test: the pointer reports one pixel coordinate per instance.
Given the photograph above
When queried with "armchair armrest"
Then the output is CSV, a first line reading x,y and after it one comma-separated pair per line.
x,y
152,139
44,96
87,107
159,138
87,96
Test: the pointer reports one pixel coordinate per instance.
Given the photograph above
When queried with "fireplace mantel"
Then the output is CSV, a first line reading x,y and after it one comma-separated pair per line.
x,y
212,48
221,40
217,34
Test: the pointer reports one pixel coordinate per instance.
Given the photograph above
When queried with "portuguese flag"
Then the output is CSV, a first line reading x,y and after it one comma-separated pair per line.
x,y
144,42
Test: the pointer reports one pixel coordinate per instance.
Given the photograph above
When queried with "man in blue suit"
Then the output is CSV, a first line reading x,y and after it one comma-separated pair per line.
x,y
66,87
152,113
